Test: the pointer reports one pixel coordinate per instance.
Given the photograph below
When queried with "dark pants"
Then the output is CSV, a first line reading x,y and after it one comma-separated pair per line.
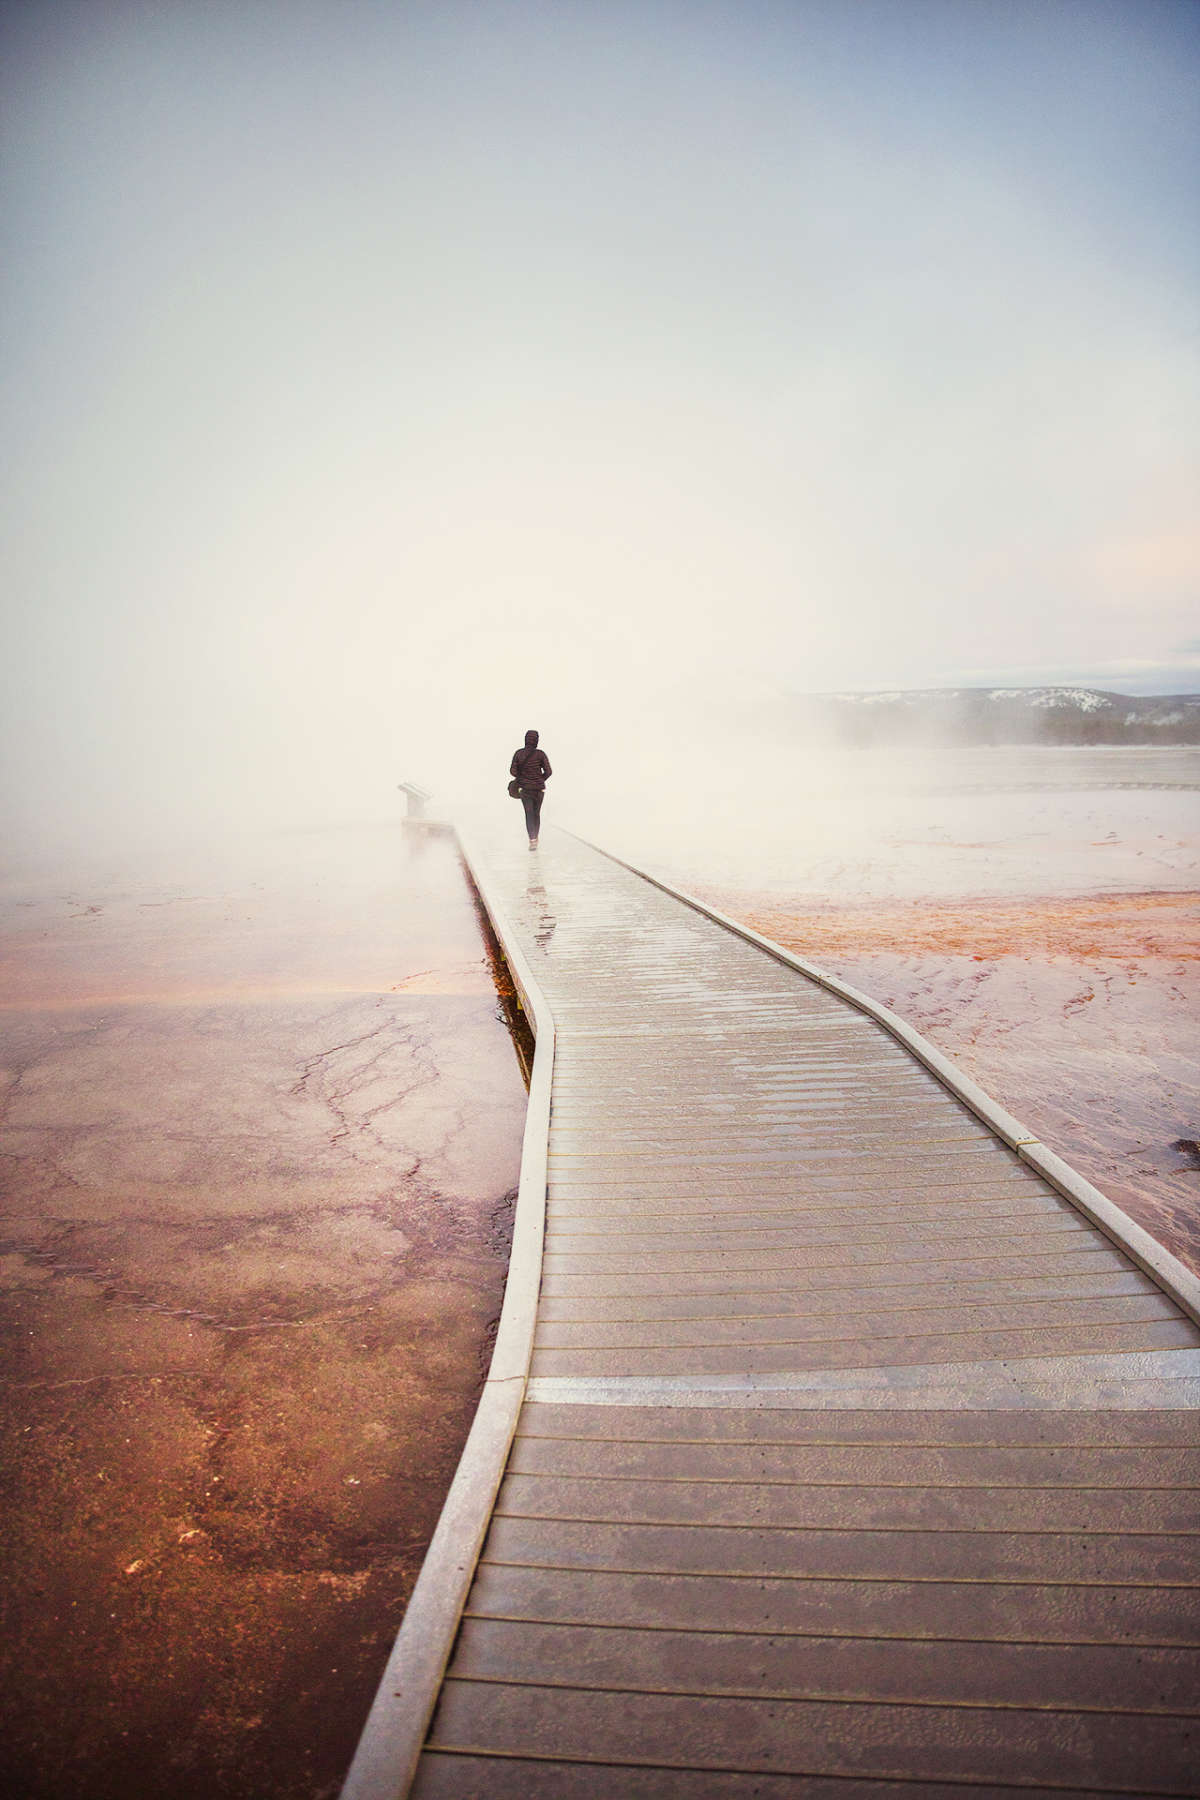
x,y
531,800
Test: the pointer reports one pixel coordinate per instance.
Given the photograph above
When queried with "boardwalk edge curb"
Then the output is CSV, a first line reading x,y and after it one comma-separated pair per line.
x,y
1173,1276
388,1750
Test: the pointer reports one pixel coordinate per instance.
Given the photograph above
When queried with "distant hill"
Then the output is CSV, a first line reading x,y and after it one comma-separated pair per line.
x,y
1042,715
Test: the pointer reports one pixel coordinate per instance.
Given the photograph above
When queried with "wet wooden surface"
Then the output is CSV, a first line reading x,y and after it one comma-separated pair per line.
x,y
854,1457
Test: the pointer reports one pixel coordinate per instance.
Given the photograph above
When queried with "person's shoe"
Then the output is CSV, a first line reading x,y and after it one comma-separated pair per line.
x,y
533,843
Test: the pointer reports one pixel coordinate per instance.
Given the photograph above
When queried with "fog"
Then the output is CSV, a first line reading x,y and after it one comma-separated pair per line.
x,y
382,380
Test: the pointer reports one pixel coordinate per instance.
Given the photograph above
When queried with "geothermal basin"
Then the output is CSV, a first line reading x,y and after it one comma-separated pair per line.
x,y
262,1134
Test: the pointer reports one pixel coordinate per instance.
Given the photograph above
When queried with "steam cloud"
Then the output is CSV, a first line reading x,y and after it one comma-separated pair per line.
x,y
384,380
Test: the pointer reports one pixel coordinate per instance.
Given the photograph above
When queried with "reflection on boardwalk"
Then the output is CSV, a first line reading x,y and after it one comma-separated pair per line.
x,y
542,913
854,1459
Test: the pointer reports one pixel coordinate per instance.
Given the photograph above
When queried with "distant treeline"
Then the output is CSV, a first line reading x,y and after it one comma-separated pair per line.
x,y
1002,716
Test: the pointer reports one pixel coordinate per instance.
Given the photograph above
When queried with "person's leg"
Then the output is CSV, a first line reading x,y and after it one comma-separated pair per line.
x,y
538,797
531,801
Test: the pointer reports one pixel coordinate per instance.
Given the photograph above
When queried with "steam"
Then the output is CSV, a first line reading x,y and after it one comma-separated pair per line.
x,y
384,379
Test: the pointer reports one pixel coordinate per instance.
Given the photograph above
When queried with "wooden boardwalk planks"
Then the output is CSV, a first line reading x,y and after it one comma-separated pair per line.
x,y
854,1460
945,1598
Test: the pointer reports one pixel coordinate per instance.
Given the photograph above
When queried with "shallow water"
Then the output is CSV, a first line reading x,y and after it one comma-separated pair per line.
x,y
262,1133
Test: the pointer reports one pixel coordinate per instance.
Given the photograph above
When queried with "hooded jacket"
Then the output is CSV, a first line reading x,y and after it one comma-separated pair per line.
x,y
530,766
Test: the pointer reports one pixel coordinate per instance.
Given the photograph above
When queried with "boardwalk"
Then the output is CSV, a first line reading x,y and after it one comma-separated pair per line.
x,y
853,1458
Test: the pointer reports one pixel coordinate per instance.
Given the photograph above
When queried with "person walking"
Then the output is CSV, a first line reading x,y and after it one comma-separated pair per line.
x,y
530,767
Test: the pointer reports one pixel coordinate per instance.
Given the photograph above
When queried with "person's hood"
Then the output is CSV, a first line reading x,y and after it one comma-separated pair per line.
x,y
531,738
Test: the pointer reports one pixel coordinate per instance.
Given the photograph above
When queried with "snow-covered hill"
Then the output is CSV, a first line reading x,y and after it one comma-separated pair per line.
x,y
1040,715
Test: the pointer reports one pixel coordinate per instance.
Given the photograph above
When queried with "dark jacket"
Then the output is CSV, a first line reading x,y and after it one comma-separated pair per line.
x,y
530,765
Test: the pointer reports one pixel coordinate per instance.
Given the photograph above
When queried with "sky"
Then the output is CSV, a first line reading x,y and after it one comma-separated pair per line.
x,y
381,379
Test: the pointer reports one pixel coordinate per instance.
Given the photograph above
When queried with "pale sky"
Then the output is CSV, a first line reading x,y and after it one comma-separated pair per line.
x,y
381,379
